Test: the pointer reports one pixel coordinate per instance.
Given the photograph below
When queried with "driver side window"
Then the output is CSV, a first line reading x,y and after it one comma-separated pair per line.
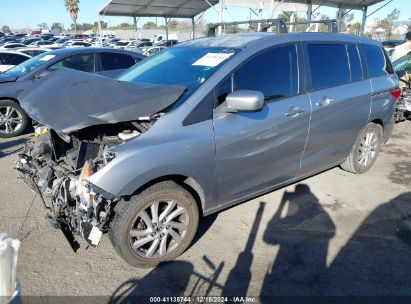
x,y
273,72
80,62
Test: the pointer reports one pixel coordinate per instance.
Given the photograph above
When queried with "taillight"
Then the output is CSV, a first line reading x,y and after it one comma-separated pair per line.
x,y
396,93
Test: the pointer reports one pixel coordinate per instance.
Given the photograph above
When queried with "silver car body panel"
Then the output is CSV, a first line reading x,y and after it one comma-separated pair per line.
x,y
235,156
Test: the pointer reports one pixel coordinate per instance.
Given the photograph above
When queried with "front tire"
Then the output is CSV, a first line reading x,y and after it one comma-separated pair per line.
x,y
365,150
13,119
154,226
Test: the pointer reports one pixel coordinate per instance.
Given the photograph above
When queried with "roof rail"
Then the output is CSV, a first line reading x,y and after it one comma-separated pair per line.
x,y
265,24
331,23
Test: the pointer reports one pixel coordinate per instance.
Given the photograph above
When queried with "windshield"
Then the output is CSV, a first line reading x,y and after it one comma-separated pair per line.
x,y
403,63
29,65
122,43
185,66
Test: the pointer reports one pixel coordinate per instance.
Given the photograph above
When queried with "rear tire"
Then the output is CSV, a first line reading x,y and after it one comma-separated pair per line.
x,y
154,226
13,119
365,151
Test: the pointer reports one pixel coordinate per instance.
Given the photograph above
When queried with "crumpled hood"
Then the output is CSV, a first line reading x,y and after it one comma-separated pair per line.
x,y
68,100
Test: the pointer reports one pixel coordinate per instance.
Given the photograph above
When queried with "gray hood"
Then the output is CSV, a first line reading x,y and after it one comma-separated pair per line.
x,y
67,100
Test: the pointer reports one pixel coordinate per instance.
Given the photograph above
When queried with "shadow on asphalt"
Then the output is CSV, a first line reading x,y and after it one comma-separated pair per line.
x,y
12,146
375,262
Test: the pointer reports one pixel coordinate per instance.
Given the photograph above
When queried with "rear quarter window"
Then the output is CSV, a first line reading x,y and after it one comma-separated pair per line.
x,y
328,65
378,63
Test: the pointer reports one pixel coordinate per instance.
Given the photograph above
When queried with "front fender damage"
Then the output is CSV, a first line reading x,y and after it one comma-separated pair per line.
x,y
76,139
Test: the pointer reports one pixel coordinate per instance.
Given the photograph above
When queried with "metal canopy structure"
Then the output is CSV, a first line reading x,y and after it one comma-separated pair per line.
x,y
191,8
346,4
156,8
344,7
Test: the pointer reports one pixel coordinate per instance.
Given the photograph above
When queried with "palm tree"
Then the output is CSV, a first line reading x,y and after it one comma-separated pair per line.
x,y
72,8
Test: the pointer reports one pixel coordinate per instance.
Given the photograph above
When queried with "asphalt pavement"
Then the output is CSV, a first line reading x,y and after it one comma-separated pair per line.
x,y
335,233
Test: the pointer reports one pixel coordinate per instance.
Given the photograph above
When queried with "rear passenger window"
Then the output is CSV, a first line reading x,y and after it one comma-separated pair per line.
x,y
114,61
355,63
274,73
377,61
328,65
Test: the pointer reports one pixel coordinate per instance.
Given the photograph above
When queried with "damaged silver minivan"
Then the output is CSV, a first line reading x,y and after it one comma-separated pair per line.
x,y
199,127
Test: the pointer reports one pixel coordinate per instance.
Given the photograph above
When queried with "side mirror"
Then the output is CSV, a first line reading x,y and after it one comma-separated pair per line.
x,y
245,101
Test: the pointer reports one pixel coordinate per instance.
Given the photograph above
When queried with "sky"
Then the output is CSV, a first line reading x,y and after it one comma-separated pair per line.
x,y
19,14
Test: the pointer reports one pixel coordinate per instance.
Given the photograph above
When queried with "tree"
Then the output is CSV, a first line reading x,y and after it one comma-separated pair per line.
x,y
149,25
346,20
72,7
43,26
387,22
104,26
5,29
57,26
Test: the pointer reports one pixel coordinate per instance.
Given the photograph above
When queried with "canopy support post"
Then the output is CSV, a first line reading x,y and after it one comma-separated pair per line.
x,y
340,16
221,17
99,30
309,13
364,19
166,21
135,26
193,25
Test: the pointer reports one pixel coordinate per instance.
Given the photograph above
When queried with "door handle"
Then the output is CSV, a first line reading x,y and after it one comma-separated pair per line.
x,y
294,111
325,101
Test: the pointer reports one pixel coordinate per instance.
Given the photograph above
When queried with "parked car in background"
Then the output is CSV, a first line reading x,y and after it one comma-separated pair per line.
x,y
61,41
389,46
53,39
9,59
5,40
150,51
122,44
402,64
12,45
30,40
45,43
32,33
78,36
75,43
138,44
111,42
31,51
242,115
20,35
102,61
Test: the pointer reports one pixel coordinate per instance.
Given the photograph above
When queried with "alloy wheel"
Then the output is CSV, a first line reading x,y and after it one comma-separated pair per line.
x,y
159,229
11,119
368,148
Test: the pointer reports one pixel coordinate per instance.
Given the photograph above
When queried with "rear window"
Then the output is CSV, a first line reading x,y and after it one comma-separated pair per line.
x,y
328,65
378,63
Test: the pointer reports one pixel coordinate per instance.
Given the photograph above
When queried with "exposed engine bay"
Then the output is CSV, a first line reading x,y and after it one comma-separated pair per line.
x,y
73,141
57,166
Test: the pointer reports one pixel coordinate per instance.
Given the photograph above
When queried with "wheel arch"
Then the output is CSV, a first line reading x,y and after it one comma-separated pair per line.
x,y
188,183
10,98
